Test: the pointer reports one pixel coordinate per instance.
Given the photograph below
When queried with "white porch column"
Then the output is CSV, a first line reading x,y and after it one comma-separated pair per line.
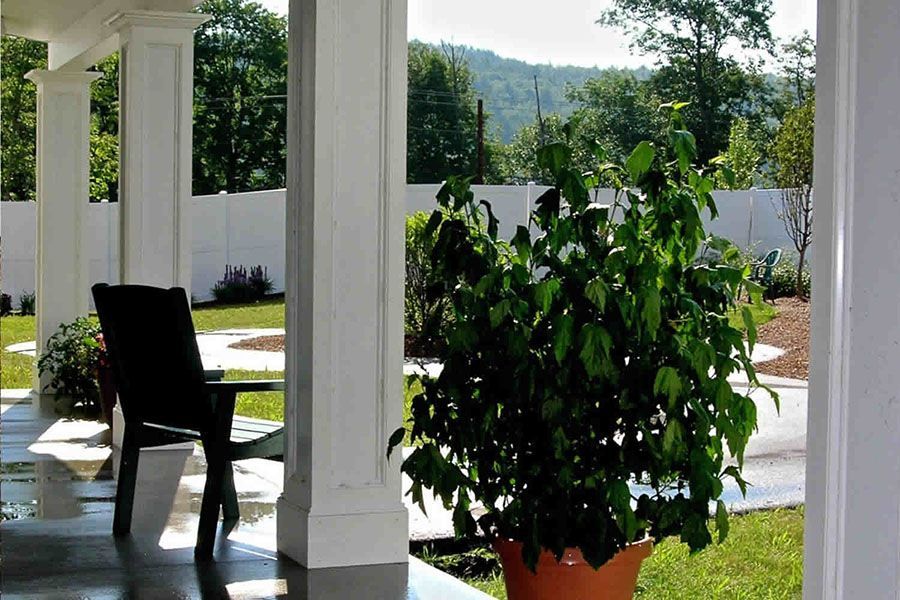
x,y
346,180
156,86
852,537
63,158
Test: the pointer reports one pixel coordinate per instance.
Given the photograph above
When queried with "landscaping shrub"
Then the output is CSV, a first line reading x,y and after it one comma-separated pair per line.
x,y
5,304
72,358
26,304
784,279
240,286
426,308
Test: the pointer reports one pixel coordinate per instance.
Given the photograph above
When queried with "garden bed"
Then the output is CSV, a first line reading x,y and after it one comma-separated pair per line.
x,y
790,332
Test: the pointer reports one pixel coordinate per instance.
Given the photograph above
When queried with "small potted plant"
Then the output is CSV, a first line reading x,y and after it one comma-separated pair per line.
x,y
80,376
584,404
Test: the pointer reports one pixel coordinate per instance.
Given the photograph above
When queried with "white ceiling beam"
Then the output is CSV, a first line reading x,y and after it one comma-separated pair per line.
x,y
91,38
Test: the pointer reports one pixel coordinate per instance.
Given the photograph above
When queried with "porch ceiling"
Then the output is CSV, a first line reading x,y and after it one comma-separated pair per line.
x,y
50,20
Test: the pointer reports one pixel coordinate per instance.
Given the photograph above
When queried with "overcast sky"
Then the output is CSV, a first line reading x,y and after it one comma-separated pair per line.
x,y
562,32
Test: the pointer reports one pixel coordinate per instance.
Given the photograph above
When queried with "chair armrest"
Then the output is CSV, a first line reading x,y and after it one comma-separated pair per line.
x,y
236,387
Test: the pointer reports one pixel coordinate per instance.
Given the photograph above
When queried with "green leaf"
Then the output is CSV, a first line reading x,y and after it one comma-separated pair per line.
x,y
554,157
434,221
735,473
668,382
562,336
640,160
499,312
685,146
395,440
595,291
672,438
493,223
721,521
522,243
747,314
595,346
544,293
650,310
619,496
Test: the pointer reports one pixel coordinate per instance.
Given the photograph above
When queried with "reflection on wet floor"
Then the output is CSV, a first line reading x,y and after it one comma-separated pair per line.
x,y
57,495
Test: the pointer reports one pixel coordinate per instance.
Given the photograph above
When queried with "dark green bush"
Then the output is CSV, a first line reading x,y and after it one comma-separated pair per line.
x,y
26,304
588,355
784,279
72,357
238,285
426,308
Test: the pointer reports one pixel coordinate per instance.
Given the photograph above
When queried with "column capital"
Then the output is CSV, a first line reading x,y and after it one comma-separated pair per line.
x,y
157,19
73,79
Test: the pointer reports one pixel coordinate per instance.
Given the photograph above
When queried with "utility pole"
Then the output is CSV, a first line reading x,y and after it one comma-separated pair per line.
x,y
479,179
537,95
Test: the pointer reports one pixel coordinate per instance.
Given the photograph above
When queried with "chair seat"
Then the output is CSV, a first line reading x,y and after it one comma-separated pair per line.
x,y
250,438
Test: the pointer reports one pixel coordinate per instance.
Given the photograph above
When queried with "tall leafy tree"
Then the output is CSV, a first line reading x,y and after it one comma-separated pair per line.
x,y
441,114
742,157
19,115
797,69
693,40
240,83
618,110
792,152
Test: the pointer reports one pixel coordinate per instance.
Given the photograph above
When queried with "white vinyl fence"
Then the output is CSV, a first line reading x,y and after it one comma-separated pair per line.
x,y
249,229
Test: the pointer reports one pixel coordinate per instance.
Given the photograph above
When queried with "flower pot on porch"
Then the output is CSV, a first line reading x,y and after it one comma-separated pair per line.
x,y
572,577
107,386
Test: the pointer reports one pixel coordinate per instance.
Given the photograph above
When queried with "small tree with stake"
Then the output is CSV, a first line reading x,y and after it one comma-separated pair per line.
x,y
792,151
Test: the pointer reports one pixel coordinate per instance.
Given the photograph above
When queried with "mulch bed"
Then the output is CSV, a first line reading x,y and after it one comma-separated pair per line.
x,y
790,332
266,343
414,347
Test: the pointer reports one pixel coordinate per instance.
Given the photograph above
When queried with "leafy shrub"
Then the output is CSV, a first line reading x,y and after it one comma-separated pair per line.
x,y
426,308
26,304
784,279
240,286
586,359
72,357
5,304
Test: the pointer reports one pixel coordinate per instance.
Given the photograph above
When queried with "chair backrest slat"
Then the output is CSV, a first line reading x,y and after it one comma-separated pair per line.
x,y
152,349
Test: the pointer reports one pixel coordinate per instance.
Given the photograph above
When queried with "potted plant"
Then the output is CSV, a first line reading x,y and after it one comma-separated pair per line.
x,y
584,404
80,375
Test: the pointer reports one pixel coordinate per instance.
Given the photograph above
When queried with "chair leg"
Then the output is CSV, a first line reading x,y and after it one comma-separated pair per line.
x,y
128,469
230,509
212,498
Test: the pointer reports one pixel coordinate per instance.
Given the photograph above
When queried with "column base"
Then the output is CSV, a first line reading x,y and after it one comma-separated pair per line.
x,y
320,541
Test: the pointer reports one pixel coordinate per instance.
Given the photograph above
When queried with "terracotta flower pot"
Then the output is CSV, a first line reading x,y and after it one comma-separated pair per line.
x,y
572,577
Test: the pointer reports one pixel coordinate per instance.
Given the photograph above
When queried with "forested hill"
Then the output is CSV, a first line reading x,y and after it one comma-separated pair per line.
x,y
507,87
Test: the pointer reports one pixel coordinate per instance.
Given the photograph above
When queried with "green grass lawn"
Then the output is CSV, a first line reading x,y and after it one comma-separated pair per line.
x,y
762,559
762,313
15,369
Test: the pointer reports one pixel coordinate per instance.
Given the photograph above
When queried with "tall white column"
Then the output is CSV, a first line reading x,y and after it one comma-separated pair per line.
x,y
63,162
346,179
852,537
156,86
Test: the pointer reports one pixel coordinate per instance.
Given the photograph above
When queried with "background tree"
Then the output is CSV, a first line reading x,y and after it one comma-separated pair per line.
x,y
240,84
691,38
797,69
743,157
618,110
105,131
441,114
18,98
792,152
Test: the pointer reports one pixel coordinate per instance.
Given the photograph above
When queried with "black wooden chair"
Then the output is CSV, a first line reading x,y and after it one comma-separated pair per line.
x,y
165,397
